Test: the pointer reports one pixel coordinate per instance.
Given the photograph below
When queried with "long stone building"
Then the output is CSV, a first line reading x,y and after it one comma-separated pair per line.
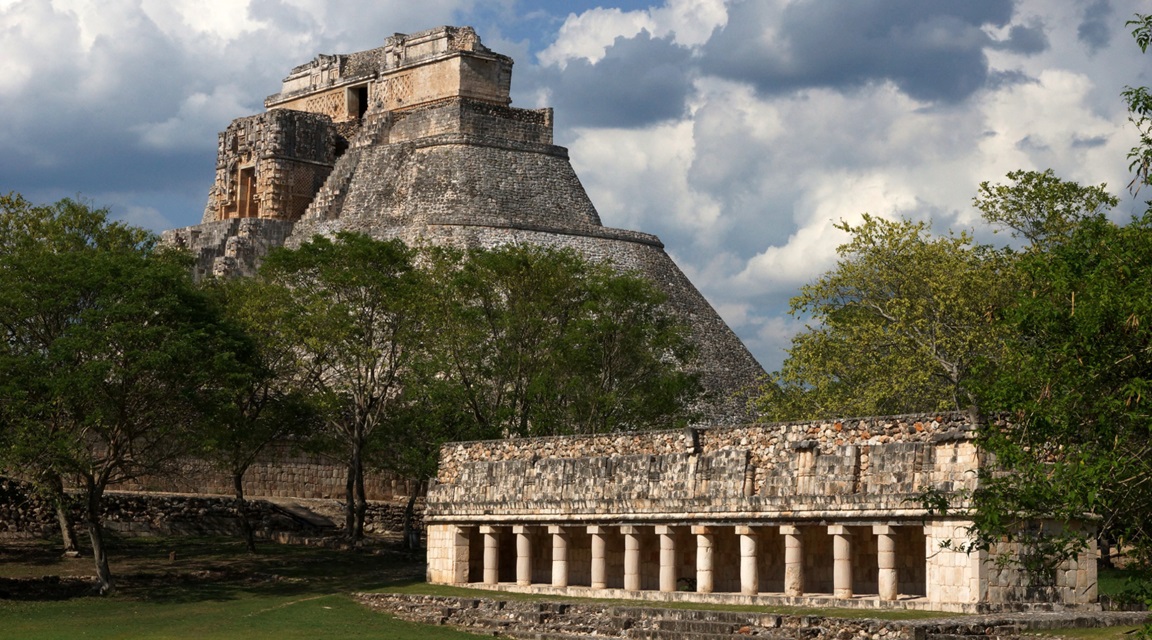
x,y
816,514
416,140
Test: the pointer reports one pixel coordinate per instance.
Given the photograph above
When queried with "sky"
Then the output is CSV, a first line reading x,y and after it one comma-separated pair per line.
x,y
738,131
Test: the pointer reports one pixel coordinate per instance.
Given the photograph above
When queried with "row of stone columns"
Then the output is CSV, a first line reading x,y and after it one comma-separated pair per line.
x,y
705,570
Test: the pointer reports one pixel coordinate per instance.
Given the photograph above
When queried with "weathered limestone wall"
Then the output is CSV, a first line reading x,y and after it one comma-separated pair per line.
x,y
862,468
23,514
271,165
286,476
229,247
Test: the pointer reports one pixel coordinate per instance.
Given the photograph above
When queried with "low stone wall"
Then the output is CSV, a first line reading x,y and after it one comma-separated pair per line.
x,y
557,620
279,474
23,514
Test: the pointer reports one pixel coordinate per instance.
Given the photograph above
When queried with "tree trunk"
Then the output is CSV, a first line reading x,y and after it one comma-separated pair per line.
x,y
411,532
242,512
64,516
361,501
350,530
96,535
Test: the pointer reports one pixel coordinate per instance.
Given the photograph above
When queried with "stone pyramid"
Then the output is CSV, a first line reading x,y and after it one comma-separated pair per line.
x,y
416,140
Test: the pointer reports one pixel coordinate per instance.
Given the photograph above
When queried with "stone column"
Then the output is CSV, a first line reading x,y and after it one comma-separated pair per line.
x,y
523,555
749,561
599,556
460,557
704,570
559,556
793,561
667,558
886,560
841,561
631,557
491,554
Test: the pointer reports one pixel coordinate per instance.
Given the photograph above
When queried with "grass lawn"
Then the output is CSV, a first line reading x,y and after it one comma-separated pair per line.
x,y
213,589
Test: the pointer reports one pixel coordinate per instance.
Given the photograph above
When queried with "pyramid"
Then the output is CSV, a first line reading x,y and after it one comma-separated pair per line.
x,y
417,140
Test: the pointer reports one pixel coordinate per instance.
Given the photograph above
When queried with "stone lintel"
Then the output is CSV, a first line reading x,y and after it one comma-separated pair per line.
x,y
838,530
702,530
742,530
789,530
883,529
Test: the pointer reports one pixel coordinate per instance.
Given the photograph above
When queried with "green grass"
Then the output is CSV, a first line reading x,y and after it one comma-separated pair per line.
x,y
213,590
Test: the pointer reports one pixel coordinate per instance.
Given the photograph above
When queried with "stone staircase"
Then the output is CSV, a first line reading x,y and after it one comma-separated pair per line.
x,y
529,620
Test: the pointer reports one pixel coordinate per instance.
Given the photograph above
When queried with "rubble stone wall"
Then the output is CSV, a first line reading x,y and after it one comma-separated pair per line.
x,y
852,468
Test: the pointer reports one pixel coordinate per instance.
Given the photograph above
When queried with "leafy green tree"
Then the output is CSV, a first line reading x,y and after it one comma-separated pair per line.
x,y
351,310
534,341
1040,207
110,352
539,341
1077,383
263,405
905,322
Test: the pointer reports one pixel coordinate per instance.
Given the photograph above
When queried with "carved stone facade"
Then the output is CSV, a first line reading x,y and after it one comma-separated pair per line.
x,y
416,140
823,514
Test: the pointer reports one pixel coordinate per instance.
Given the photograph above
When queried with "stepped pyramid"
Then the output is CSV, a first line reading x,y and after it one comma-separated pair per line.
x,y
416,140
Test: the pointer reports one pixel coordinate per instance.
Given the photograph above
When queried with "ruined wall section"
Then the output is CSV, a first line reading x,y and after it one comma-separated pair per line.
x,y
869,468
229,247
271,165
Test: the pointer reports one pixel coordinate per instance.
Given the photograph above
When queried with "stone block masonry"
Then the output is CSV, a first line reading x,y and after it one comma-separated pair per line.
x,y
416,140
781,513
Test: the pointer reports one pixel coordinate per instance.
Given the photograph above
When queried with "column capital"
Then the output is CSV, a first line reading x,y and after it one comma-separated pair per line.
x,y
664,530
883,529
838,530
556,529
597,530
789,530
702,530
629,530
742,530
523,529
488,529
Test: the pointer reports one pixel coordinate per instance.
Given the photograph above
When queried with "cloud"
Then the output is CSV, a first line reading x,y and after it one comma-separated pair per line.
x,y
639,81
117,97
590,34
932,50
1095,31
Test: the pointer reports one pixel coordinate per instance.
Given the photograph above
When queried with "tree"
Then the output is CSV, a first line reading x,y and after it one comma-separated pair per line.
x,y
903,323
544,342
109,350
264,402
1077,383
536,341
351,312
1040,207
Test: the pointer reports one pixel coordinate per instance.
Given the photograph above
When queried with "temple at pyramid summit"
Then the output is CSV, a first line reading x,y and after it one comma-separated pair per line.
x,y
417,140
